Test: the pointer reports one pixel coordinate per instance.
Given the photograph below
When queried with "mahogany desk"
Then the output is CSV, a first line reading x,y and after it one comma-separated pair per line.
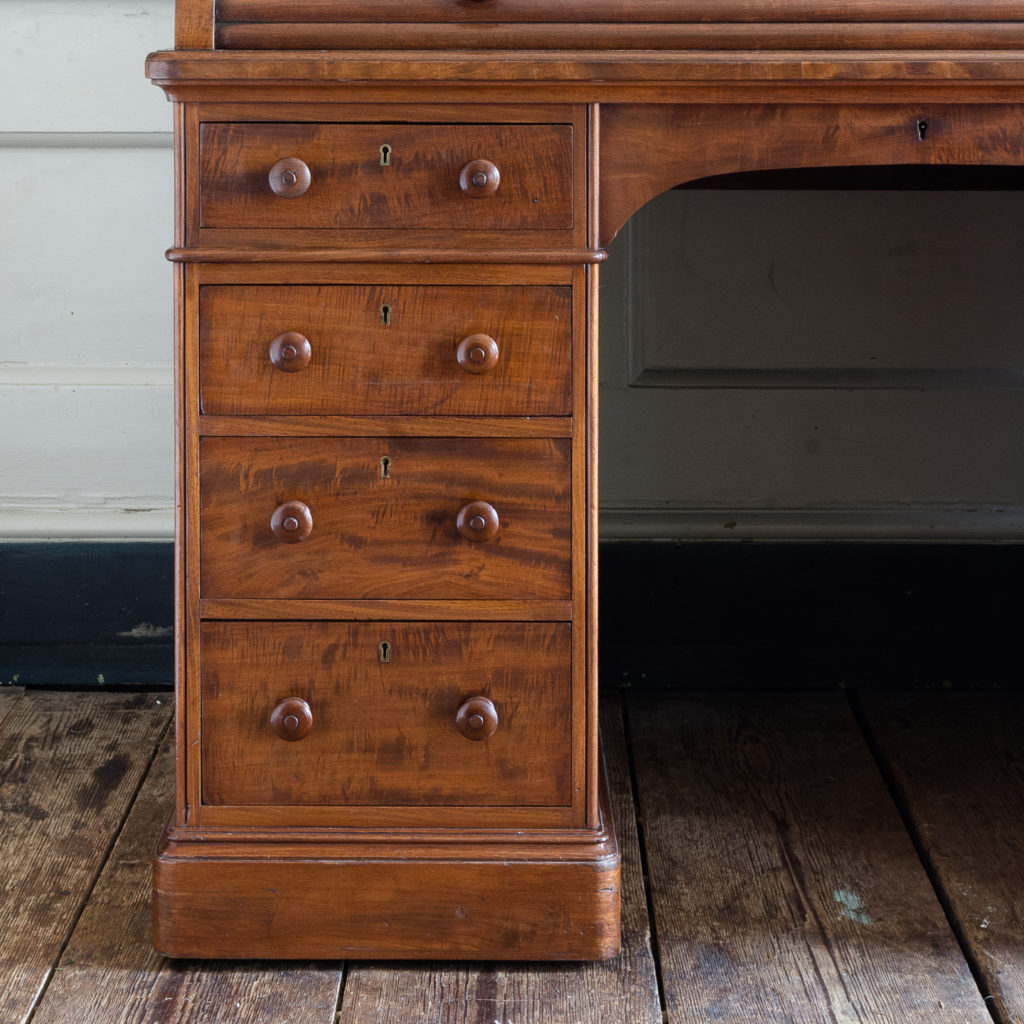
x,y
390,218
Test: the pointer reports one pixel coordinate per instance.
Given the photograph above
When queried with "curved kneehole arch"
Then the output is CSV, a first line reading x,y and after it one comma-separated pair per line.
x,y
646,150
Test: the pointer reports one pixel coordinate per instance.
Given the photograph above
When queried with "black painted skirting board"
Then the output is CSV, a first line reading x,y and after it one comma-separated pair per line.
x,y
811,615
795,615
84,614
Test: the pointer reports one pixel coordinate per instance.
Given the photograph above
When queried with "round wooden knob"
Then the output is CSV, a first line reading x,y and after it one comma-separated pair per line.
x,y
477,718
478,353
289,178
290,351
291,522
478,522
479,179
292,719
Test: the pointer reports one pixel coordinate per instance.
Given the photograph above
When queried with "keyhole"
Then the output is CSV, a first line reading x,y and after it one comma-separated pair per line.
x,y
384,652
385,155
385,315
385,467
922,129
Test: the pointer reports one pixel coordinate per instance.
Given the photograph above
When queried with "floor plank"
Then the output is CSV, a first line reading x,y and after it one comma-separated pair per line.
x,y
624,989
70,765
785,888
110,973
9,696
958,761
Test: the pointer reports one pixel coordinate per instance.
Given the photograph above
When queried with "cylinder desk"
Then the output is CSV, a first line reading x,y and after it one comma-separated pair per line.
x,y
389,221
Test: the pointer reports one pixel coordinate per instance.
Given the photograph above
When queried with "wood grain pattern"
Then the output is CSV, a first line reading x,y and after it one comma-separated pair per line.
x,y
614,10
548,35
566,76
384,426
387,538
385,732
193,24
431,611
420,188
956,759
785,889
110,973
68,776
624,989
460,896
9,697
361,366
695,141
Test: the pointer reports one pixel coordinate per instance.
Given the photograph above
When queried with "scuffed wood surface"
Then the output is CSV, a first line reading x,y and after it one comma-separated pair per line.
x,y
784,885
9,696
70,765
957,759
624,989
110,973
785,889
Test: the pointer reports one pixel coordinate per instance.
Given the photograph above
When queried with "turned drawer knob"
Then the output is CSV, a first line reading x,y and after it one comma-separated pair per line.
x,y
289,178
478,522
291,522
479,179
290,351
477,718
292,719
478,353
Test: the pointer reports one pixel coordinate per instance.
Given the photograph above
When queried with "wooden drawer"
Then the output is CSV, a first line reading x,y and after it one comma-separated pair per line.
x,y
386,732
317,518
328,11
355,350
436,176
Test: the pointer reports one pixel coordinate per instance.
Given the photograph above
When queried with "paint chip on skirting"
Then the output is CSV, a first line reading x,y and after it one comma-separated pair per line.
x,y
146,631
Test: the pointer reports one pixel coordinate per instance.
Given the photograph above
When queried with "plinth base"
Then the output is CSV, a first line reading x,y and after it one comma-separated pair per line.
x,y
388,895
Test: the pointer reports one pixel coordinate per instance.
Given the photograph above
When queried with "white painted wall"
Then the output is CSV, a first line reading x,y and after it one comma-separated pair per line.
x,y
85,215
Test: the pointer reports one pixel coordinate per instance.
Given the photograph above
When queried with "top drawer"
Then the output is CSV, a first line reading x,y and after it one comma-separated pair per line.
x,y
327,11
386,176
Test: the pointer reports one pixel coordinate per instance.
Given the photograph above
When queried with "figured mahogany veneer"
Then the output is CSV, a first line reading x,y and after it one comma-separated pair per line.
x,y
390,220
389,732
525,174
386,350
375,536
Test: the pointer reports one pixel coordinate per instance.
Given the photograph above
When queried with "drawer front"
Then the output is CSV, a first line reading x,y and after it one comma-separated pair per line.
x,y
357,350
327,11
355,518
458,714
400,176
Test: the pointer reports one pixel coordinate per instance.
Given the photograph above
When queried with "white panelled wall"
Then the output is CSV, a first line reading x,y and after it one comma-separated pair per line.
x,y
85,215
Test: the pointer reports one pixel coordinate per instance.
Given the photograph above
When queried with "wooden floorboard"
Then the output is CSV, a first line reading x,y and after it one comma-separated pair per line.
x,y
69,768
784,883
9,696
785,888
958,762
110,973
624,989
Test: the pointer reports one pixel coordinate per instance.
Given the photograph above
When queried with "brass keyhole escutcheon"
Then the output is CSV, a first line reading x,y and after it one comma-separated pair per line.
x,y
385,467
385,315
385,155
384,652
